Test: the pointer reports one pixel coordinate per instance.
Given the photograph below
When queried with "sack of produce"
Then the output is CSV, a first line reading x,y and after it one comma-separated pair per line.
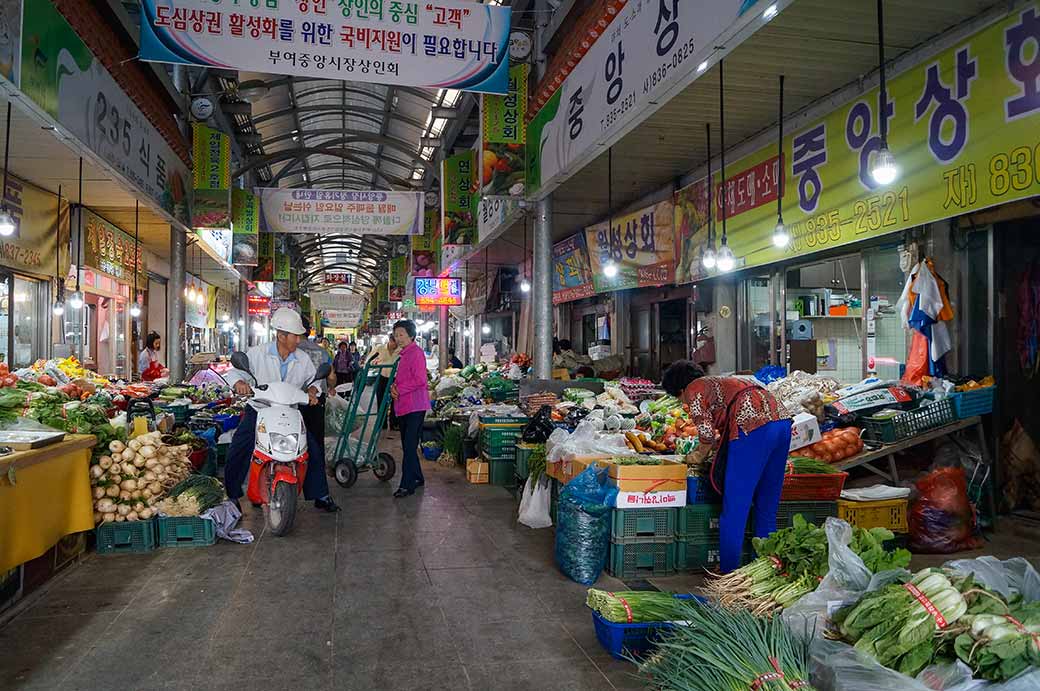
x,y
583,525
942,519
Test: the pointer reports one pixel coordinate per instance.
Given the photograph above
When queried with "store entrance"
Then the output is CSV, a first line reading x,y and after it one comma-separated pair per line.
x,y
22,329
673,328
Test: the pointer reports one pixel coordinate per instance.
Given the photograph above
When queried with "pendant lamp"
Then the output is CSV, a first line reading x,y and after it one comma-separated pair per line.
x,y
781,237
75,300
725,261
708,258
884,169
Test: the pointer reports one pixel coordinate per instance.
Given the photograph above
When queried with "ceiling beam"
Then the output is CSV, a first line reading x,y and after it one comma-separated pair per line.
x,y
296,120
345,109
360,138
384,127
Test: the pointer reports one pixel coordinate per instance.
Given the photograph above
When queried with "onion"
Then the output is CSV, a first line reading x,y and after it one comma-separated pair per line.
x,y
147,451
119,518
112,491
132,516
116,446
134,444
105,462
96,471
108,517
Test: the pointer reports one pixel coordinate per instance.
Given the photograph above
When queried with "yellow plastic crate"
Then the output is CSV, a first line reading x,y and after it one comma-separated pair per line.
x,y
884,513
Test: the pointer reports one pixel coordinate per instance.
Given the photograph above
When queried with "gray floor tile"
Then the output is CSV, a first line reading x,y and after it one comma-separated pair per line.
x,y
359,676
482,642
572,675
39,653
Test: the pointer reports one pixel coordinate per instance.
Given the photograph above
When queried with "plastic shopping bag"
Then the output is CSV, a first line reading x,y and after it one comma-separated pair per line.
x,y
583,525
534,507
942,519
335,412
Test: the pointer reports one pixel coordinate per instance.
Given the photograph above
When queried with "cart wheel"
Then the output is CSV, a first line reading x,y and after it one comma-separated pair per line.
x,y
346,472
385,468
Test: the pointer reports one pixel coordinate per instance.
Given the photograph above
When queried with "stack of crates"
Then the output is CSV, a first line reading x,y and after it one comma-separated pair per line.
x,y
642,543
883,513
497,444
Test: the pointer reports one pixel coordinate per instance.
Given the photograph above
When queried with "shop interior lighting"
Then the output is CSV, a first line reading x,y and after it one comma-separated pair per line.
x,y
525,285
725,261
485,329
769,12
884,169
135,308
703,66
75,300
781,237
59,286
610,269
708,258
241,322
7,226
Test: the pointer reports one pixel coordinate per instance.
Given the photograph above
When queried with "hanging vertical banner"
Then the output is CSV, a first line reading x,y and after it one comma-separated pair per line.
x,y
245,218
195,314
572,274
640,244
217,240
382,292
397,278
281,266
265,265
424,260
458,198
211,204
503,162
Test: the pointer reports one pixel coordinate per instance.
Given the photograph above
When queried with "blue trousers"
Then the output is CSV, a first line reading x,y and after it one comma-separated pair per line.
x,y
240,451
755,465
411,431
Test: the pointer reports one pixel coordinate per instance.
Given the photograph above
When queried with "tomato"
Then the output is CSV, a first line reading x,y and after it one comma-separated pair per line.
x,y
502,165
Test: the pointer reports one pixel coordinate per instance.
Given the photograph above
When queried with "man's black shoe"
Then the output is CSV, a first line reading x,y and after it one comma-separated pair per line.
x,y
326,505
400,493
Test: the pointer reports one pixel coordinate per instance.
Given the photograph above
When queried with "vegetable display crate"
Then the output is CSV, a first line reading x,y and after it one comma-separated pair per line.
x,y
499,443
813,487
622,640
503,395
701,522
815,512
186,531
500,472
128,537
178,411
885,513
968,404
640,525
641,559
700,491
691,555
486,420
911,423
523,455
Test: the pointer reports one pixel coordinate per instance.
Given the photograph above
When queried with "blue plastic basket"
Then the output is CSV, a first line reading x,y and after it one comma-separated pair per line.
x,y
631,639
431,453
227,422
968,404
700,491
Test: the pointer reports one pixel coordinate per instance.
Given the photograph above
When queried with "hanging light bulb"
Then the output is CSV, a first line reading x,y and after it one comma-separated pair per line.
x,y
200,298
226,317
610,269
76,299
780,235
884,169
486,329
726,261
241,322
135,309
6,219
6,222
59,308
708,259
525,286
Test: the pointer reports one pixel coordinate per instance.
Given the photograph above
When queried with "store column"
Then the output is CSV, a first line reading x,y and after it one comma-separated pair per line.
x,y
175,311
541,290
442,340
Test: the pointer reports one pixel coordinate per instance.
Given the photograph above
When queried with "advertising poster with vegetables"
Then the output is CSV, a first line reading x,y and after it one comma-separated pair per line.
x,y
641,245
572,274
458,198
691,231
264,270
245,215
957,124
503,163
424,254
211,152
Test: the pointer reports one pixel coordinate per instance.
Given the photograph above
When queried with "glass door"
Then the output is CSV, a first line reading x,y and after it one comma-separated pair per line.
x,y
642,340
756,337
28,329
5,318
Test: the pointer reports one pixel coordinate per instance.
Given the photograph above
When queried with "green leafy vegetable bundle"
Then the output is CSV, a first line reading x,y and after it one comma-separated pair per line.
x,y
631,606
998,647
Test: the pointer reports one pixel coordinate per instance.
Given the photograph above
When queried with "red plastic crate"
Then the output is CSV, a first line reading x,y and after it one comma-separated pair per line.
x,y
813,487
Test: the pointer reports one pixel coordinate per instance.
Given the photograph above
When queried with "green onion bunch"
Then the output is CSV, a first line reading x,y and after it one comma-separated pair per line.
x,y
640,605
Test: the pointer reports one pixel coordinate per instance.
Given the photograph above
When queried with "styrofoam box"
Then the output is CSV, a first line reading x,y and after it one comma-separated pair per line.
x,y
805,430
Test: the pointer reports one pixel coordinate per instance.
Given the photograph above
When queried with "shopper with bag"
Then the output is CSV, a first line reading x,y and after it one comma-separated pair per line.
x,y
749,434
148,365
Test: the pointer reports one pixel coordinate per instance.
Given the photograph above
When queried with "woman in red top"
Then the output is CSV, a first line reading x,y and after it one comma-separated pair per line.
x,y
749,434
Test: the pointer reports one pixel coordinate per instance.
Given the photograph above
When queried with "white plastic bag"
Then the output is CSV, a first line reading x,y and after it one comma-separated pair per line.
x,y
335,411
534,507
584,441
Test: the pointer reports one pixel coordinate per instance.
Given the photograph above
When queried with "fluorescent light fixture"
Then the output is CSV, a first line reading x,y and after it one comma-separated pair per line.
x,y
701,67
769,12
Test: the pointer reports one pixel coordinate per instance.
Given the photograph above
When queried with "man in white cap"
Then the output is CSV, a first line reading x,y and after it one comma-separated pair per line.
x,y
277,361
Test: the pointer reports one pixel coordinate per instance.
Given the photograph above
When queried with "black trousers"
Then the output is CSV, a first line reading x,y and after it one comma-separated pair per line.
x,y
411,431
382,390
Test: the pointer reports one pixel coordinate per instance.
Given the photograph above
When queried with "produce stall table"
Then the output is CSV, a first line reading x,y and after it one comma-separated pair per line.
x,y
44,496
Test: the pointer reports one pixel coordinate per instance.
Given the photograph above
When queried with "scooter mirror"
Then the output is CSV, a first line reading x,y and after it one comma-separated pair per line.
x,y
324,370
240,361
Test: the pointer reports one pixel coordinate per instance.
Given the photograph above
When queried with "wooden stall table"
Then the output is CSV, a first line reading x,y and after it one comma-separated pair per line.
x,y
44,496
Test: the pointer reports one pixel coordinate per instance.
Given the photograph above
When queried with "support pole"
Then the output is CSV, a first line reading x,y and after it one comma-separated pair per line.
x,y
442,340
541,290
175,306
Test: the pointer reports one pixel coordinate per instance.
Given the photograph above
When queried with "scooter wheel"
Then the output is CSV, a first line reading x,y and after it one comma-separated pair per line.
x,y
385,467
346,472
281,512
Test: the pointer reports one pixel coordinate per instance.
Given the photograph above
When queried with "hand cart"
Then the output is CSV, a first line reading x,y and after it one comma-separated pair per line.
x,y
357,449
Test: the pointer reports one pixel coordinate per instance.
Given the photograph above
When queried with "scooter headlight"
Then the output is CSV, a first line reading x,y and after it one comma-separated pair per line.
x,y
284,443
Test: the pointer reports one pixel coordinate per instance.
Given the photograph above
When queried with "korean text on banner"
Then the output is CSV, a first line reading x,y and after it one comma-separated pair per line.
x,y
62,76
211,151
35,239
503,130
337,301
572,274
109,250
337,212
458,198
398,272
650,48
245,216
338,278
449,44
641,244
424,247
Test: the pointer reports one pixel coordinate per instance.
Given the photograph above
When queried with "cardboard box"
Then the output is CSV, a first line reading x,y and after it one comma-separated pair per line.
x,y
477,471
578,465
805,430
669,476
651,500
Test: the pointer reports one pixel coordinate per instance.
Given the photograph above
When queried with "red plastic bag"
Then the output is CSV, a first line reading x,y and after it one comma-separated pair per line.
x,y
152,372
917,360
942,519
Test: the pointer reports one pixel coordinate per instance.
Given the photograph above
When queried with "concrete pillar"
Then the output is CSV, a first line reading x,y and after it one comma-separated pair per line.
x,y
725,327
541,290
175,305
442,339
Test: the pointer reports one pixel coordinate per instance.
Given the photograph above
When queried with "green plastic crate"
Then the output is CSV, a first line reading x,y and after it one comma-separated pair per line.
x,y
502,473
498,443
815,512
695,555
502,420
641,559
127,537
523,455
699,521
186,531
911,423
639,525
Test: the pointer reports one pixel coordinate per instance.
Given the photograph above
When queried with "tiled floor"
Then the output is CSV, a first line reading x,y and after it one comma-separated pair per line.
x,y
442,590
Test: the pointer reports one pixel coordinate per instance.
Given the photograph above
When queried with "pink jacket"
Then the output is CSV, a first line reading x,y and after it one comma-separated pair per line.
x,y
413,393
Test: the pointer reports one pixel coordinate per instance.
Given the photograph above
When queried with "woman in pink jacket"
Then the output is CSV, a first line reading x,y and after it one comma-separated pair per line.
x,y
411,396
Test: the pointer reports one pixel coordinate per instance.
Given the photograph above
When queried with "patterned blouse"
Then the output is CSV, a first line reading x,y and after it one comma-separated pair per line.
x,y
731,404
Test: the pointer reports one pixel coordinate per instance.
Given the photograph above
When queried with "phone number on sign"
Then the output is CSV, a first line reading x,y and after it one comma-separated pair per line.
x,y
681,55
615,114
869,214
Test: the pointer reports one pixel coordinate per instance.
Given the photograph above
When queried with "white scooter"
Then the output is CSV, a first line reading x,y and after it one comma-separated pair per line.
x,y
279,463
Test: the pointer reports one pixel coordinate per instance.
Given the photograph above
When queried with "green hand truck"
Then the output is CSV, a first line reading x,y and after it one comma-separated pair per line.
x,y
358,449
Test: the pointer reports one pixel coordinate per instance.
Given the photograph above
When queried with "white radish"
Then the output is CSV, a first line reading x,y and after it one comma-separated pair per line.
x,y
134,444
123,509
116,446
105,505
96,471
146,493
108,517
149,476
138,507
128,485
125,496
120,518
146,514
155,488
139,461
105,462
99,492
132,516
112,491
148,451
128,456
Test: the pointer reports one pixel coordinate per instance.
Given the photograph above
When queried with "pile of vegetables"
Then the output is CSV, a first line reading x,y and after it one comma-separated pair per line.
x,y
723,649
802,465
790,564
192,495
536,462
835,445
130,480
632,606
1000,646
636,460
